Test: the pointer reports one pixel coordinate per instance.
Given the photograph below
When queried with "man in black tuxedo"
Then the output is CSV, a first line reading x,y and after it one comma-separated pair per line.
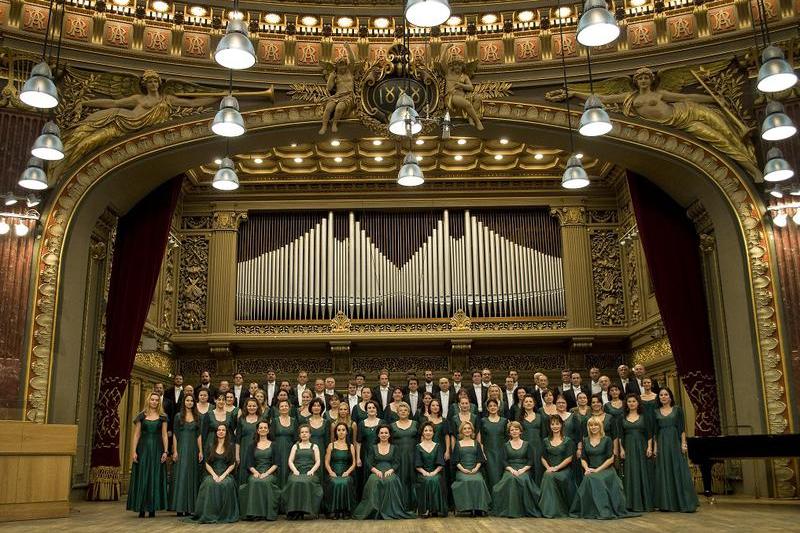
x,y
445,396
382,394
456,385
477,392
430,384
543,385
302,385
239,390
413,397
571,396
509,396
171,401
566,384
352,398
271,386
627,385
639,373
205,383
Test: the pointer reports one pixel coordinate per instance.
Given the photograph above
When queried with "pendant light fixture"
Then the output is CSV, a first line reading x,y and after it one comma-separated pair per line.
x,y
780,219
776,168
574,176
228,121
594,120
404,121
775,74
39,90
427,13
33,177
777,125
775,191
410,174
597,25
48,145
225,179
235,50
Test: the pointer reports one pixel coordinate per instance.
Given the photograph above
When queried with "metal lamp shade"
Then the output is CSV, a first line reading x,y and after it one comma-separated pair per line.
x,y
777,169
405,119
33,177
234,50
39,91
597,25
427,13
575,176
594,120
410,174
48,145
777,125
225,178
228,122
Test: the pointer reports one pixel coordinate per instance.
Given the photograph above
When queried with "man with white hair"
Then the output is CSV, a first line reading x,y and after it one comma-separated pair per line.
x,y
639,373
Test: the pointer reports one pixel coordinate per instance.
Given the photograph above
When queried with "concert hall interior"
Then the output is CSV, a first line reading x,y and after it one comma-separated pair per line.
x,y
590,206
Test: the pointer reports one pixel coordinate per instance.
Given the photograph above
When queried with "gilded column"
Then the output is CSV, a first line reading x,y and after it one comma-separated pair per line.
x,y
222,271
577,265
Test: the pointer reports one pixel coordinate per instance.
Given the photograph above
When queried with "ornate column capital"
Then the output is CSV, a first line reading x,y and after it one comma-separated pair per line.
x,y
227,220
707,243
569,215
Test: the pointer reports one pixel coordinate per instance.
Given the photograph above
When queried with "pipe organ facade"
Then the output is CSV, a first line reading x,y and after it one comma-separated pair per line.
x,y
392,264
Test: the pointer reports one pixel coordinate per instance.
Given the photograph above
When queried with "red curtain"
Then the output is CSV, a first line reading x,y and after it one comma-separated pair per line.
x,y
672,249
138,253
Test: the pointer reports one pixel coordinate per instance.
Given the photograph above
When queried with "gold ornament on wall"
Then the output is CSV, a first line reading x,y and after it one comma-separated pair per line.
x,y
607,278
340,323
718,118
193,284
460,321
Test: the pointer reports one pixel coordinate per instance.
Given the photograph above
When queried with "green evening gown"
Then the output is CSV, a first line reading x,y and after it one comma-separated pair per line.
x,y
358,414
469,490
516,496
244,436
303,493
639,471
259,498
558,488
341,491
674,486
147,491
493,438
600,495
616,420
405,440
283,438
390,416
572,429
431,490
455,424
649,410
186,471
320,435
212,424
217,503
533,433
384,498
367,438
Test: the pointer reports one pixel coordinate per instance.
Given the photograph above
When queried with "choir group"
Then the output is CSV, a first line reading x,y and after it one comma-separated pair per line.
x,y
605,450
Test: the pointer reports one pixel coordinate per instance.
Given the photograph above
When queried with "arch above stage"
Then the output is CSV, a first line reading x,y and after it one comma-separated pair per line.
x,y
513,118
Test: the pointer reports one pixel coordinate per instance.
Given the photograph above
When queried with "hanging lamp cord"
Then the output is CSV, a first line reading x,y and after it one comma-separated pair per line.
x,y
564,71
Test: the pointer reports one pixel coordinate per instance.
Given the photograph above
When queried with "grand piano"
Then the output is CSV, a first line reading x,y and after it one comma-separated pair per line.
x,y
705,451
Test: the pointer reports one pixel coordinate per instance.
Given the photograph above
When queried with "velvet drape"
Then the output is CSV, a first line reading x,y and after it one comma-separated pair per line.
x,y
141,240
672,249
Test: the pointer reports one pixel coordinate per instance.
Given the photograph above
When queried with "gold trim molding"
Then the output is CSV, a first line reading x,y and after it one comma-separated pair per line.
x,y
155,361
652,353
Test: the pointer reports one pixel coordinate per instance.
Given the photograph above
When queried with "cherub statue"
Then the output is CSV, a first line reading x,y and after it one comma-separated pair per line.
x,y
130,111
658,99
340,87
460,97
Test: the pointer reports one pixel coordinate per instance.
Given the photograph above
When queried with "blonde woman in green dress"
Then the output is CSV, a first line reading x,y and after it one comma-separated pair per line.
x,y
516,495
187,455
674,485
600,495
304,411
303,492
217,499
340,463
558,483
469,488
148,486
430,463
259,497
404,438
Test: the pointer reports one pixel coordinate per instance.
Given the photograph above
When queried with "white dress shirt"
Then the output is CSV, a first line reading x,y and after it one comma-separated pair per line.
x,y
510,397
456,387
330,392
479,396
384,392
429,387
596,388
412,400
299,390
444,400
271,389
605,397
178,392
353,401
237,391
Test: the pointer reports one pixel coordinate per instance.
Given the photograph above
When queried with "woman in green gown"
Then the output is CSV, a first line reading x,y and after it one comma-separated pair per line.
x,y
549,408
573,430
516,494
304,410
366,439
332,413
469,488
636,450
461,415
187,454
217,499
600,494
674,486
283,434
340,463
597,411
649,402
148,486
360,410
203,408
245,438
318,425
218,417
558,483
259,497
493,437
516,409
390,414
230,405
274,412
384,496
533,432
404,439
582,410
616,408
302,494
430,465
425,409
346,419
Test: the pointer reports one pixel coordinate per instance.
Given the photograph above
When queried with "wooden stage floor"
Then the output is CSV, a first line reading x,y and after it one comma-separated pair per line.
x,y
727,515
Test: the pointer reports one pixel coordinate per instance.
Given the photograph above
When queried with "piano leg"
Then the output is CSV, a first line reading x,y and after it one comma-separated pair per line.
x,y
705,471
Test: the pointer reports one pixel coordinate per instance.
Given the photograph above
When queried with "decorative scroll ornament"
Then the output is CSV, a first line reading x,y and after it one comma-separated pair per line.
x,y
192,295
569,216
340,323
607,276
156,361
717,117
460,321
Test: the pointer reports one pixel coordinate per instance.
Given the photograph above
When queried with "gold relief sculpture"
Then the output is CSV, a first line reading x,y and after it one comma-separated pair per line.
x,y
607,278
657,98
340,323
193,284
603,360
340,86
156,361
603,216
653,352
15,67
227,220
460,97
632,284
196,222
569,216
460,321
168,291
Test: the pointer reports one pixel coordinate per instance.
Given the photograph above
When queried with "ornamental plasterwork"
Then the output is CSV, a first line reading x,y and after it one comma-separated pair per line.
x,y
417,363
520,362
258,366
460,321
609,306
674,144
340,323
193,284
630,258
155,361
195,367
653,352
569,216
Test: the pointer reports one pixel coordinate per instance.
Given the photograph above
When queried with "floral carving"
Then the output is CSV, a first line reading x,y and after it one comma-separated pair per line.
x,y
609,309
193,291
460,321
340,323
